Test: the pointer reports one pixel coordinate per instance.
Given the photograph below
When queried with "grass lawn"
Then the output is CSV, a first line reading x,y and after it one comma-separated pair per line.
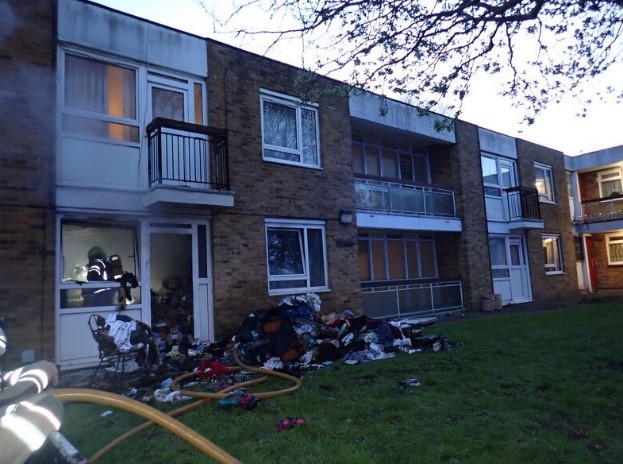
x,y
531,388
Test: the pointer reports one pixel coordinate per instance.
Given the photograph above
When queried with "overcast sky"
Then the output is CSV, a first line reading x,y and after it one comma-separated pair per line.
x,y
557,127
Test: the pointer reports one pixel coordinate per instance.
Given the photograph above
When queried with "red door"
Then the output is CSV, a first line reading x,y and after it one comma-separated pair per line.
x,y
592,263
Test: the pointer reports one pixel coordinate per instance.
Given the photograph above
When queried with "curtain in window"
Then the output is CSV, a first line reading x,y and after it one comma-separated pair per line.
x,y
280,125
310,138
85,84
616,250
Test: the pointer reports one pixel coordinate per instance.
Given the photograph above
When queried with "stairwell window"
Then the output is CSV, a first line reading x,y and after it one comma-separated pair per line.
x,y
552,254
544,182
99,99
289,130
296,255
615,249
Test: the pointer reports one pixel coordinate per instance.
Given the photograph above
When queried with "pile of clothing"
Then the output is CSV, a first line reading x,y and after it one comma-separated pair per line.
x,y
294,333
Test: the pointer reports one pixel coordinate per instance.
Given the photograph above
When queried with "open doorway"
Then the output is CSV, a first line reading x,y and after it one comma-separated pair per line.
x,y
171,283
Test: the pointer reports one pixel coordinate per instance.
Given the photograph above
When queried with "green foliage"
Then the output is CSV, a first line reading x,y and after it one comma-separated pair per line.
x,y
431,50
541,388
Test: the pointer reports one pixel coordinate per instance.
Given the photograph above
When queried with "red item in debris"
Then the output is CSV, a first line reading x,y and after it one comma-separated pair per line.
x,y
212,368
289,422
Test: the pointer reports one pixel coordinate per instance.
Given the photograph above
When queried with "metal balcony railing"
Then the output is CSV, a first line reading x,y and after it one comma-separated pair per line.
x,y
523,203
602,209
184,154
403,198
397,300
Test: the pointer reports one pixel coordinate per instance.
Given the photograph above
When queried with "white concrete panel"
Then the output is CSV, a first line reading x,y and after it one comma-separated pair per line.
x,y
77,346
92,26
596,159
496,143
394,222
397,115
93,163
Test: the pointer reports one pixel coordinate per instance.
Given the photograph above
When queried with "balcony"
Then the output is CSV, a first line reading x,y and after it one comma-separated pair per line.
x,y
188,164
403,205
601,210
398,300
524,209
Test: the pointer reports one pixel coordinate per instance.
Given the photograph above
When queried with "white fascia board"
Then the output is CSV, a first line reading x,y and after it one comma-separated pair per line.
x,y
100,29
397,115
496,143
413,223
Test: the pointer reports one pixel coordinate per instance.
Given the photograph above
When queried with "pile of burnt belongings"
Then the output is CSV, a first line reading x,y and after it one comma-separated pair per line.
x,y
294,333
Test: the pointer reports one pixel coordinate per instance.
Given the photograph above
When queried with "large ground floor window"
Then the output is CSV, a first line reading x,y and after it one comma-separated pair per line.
x,y
296,255
94,257
396,256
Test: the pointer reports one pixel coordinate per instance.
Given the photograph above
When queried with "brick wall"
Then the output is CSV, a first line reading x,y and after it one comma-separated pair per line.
x,y
609,276
470,256
27,108
268,190
557,220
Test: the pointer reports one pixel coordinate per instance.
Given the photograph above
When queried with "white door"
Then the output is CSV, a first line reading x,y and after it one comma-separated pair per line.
x,y
509,269
183,156
519,272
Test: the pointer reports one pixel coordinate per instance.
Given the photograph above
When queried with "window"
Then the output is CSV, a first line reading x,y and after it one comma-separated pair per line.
x,y
499,259
289,131
552,254
82,244
389,159
610,183
396,257
544,182
99,99
615,249
497,175
296,256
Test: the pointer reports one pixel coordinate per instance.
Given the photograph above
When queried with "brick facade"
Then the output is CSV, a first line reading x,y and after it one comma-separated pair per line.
x,y
272,190
27,105
472,245
556,217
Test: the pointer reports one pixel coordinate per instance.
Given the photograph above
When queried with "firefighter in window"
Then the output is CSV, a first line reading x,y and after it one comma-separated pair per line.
x,y
98,269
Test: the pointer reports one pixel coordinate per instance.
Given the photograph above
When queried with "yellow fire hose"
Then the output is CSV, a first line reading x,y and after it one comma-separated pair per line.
x,y
187,407
166,420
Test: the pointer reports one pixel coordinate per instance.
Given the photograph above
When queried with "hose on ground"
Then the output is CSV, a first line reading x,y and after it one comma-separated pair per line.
x,y
176,412
166,420
127,404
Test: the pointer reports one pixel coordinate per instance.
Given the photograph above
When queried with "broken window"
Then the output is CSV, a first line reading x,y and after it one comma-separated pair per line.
x,y
296,256
94,257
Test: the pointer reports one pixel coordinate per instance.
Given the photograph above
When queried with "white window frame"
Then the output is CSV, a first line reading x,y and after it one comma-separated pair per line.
x,y
617,239
499,186
555,267
305,226
298,105
106,118
549,179
615,175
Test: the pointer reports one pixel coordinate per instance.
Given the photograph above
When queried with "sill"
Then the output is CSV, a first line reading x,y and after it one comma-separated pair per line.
x,y
297,291
554,273
549,202
292,163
